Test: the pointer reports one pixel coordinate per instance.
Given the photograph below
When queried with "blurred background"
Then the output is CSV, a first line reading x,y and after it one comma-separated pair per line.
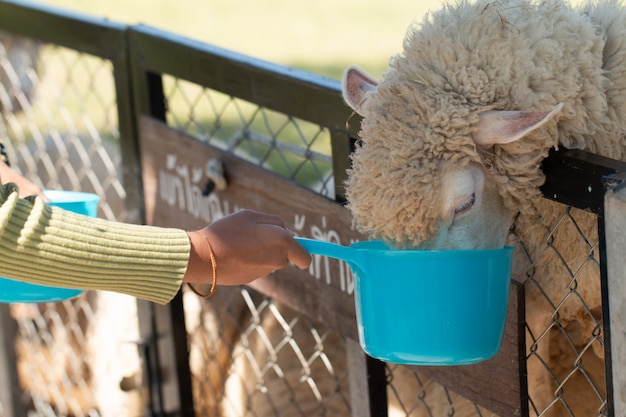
x,y
322,36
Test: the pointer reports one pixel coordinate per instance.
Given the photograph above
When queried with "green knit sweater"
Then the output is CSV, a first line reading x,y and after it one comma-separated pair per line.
x,y
47,245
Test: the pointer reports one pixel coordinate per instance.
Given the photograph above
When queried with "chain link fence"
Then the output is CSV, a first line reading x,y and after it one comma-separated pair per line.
x,y
248,354
297,150
565,344
59,124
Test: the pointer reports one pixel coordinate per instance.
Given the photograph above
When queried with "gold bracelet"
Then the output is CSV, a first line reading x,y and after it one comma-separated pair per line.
x,y
213,265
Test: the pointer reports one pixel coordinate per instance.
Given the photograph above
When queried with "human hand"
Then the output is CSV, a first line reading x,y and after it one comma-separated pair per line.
x,y
26,187
247,245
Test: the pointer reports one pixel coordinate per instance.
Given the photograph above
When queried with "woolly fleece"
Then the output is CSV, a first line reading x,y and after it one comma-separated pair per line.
x,y
470,58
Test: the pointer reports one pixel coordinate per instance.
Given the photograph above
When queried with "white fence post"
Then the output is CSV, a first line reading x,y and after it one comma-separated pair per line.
x,y
615,234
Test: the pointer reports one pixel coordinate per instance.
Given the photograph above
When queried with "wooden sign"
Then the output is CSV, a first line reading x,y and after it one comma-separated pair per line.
x,y
173,167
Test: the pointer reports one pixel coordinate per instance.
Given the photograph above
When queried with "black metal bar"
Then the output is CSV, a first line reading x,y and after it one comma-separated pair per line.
x,y
575,178
341,150
611,183
299,93
523,368
377,384
181,348
153,367
605,316
156,97
129,135
84,33
172,396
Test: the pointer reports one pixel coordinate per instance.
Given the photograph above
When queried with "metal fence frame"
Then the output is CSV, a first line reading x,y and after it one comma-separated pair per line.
x,y
141,55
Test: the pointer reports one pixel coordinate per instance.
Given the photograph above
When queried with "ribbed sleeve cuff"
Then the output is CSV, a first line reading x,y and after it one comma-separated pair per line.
x,y
50,246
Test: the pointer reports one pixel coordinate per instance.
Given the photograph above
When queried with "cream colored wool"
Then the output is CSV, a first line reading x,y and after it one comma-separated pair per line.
x,y
50,246
473,57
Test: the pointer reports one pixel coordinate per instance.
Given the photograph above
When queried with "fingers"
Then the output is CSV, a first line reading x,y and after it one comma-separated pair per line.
x,y
26,191
249,244
299,256
296,254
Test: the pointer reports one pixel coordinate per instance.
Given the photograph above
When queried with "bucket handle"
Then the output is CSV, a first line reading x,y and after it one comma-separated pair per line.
x,y
332,250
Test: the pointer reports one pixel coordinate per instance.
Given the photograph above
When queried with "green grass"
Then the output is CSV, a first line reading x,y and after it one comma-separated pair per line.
x,y
322,36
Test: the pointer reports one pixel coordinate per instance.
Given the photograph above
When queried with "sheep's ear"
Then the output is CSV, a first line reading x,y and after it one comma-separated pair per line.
x,y
355,86
499,127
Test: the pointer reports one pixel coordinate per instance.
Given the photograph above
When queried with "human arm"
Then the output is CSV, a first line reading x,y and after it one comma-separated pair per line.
x,y
50,246
247,245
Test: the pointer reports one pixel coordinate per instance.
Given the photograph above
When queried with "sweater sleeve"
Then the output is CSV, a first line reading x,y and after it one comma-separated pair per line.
x,y
47,245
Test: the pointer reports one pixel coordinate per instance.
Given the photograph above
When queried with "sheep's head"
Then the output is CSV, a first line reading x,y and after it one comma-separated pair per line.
x,y
427,173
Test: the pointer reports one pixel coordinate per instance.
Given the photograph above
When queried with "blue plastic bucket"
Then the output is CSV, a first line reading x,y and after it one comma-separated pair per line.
x,y
12,291
426,307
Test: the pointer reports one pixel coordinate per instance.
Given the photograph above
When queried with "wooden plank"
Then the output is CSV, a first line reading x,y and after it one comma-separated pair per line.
x,y
172,166
173,175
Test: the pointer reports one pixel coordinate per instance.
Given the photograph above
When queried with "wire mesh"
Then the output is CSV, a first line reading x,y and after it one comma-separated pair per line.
x,y
297,150
59,122
252,357
565,345
413,395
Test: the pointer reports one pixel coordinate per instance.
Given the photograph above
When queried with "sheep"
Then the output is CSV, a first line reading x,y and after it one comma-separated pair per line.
x,y
452,140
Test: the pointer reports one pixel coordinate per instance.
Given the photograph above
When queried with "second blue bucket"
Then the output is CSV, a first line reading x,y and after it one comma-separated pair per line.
x,y
13,291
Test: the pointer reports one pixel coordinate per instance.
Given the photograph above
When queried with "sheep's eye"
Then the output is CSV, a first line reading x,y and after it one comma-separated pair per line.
x,y
465,206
